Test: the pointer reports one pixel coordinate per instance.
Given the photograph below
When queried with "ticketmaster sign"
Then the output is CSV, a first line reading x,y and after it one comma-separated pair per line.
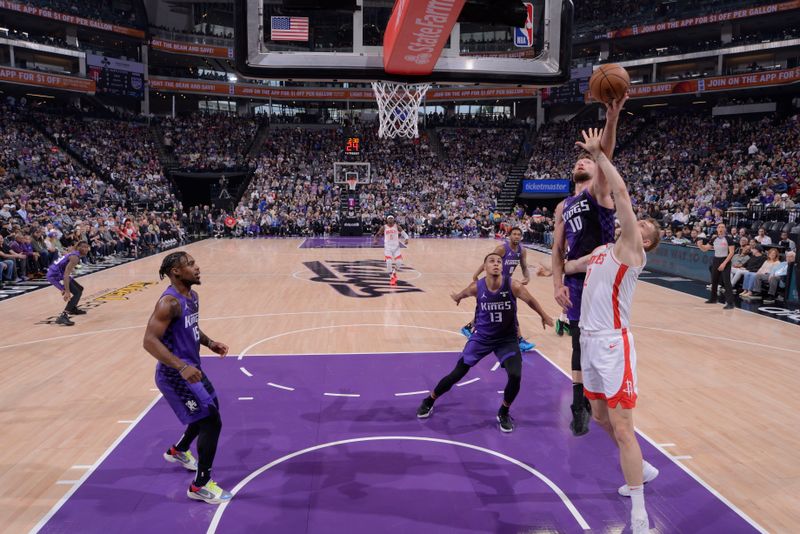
x,y
544,188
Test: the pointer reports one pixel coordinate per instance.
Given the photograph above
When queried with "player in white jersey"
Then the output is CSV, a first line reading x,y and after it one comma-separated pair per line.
x,y
392,253
608,356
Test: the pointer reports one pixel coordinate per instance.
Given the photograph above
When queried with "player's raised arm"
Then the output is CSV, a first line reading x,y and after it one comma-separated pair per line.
x,y
469,291
630,236
560,291
522,293
601,189
167,309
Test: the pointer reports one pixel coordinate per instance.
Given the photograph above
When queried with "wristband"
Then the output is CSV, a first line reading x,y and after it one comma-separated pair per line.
x,y
185,365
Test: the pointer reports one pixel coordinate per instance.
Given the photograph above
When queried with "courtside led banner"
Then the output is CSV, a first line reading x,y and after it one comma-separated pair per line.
x,y
191,49
43,79
714,83
545,187
71,19
356,95
713,18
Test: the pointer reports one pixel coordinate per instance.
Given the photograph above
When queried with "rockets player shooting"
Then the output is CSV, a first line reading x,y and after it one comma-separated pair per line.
x,y
608,355
392,253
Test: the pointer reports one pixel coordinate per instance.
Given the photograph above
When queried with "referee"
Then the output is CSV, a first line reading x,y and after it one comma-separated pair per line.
x,y
723,246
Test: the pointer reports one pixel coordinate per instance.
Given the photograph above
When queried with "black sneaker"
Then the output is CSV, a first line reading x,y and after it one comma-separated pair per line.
x,y
729,306
425,409
63,319
506,422
76,311
711,301
580,420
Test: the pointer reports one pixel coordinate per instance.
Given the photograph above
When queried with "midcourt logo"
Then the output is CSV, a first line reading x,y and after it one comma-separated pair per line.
x,y
358,279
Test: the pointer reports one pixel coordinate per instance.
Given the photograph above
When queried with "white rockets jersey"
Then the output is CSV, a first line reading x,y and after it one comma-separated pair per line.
x,y
391,236
607,291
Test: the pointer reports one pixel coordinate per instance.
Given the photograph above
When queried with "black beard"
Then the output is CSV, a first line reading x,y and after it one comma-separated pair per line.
x,y
190,283
581,176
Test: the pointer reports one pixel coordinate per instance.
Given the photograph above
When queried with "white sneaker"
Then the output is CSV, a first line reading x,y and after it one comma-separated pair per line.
x,y
648,474
640,525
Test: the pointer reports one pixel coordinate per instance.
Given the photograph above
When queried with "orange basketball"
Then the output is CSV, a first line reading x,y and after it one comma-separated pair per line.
x,y
609,82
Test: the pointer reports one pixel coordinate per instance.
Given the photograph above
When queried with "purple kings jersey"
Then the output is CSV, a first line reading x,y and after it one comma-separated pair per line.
x,y
510,259
182,336
56,270
587,225
495,313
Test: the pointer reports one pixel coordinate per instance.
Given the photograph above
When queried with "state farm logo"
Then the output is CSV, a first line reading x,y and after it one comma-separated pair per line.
x,y
419,59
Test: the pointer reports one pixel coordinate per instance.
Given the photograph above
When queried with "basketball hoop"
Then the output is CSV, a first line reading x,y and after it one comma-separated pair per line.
x,y
398,108
351,183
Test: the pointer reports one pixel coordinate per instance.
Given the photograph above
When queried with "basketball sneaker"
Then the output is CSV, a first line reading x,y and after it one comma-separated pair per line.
x,y
425,409
63,319
559,327
506,422
525,345
393,279
648,474
76,311
580,420
186,459
210,493
466,331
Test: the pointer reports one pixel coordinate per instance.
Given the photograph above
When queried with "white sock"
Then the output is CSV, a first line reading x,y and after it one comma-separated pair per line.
x,y
637,501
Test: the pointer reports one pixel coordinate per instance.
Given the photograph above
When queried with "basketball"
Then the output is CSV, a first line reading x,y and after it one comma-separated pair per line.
x,y
609,82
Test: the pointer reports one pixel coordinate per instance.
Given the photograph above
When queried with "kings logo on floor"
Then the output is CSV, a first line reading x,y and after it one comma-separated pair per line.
x,y
359,279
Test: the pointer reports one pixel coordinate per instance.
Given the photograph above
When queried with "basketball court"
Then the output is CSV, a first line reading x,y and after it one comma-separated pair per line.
x,y
319,398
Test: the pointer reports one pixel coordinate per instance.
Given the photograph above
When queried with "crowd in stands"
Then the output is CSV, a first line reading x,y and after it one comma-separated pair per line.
x,y
91,9
122,151
203,142
449,194
49,201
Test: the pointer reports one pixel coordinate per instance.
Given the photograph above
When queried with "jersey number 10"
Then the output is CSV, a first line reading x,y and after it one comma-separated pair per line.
x,y
575,224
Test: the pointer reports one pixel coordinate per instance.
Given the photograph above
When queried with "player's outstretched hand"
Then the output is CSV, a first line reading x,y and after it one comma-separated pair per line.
x,y
219,348
562,297
547,321
614,107
591,141
191,374
456,297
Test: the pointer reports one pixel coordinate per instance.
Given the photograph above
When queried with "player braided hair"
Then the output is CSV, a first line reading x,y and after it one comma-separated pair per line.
x,y
170,261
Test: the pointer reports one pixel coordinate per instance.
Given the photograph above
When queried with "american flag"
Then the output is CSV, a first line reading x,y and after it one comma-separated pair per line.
x,y
289,28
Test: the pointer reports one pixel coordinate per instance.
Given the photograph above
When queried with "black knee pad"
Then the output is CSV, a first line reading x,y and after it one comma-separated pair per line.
x,y
575,332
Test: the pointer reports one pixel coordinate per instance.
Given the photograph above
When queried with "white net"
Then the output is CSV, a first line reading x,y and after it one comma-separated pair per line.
x,y
398,107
